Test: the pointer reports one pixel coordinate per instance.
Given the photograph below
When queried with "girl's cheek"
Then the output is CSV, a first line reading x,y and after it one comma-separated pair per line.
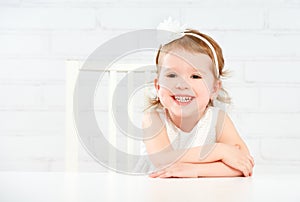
x,y
162,97
161,94
207,85
168,83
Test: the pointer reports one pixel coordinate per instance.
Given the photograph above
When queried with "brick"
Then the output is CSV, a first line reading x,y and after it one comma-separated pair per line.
x,y
23,44
244,98
253,145
248,18
10,3
53,95
281,149
269,124
236,71
258,45
32,122
38,148
135,18
47,18
24,165
272,71
72,43
284,18
77,3
280,99
18,95
292,2
32,69
256,3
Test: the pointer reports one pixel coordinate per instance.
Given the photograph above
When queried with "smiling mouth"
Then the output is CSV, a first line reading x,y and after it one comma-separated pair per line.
x,y
182,99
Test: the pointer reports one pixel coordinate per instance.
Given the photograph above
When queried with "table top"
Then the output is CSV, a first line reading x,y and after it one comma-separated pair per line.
x,y
264,185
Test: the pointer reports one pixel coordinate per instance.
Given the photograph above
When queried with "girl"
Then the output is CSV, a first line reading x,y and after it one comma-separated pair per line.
x,y
185,134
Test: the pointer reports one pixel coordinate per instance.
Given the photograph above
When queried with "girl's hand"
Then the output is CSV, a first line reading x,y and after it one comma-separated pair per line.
x,y
234,157
187,170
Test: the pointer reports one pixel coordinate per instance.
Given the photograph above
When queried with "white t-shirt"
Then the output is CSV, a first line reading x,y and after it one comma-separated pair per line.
x,y
203,133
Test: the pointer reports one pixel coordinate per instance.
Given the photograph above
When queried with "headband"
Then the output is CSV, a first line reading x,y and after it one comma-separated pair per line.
x,y
177,31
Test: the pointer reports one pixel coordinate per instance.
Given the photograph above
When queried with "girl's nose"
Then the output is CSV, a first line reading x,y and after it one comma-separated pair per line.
x,y
182,85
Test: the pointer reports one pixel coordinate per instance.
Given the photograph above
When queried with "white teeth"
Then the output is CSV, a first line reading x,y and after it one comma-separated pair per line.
x,y
183,99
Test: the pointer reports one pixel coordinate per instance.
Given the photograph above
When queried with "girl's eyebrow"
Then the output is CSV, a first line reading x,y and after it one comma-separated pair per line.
x,y
169,67
168,70
198,72
165,70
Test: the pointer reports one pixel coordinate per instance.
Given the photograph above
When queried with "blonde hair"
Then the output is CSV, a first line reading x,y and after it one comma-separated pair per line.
x,y
194,45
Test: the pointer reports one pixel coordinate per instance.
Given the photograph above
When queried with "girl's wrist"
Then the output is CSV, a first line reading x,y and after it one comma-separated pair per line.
x,y
199,170
220,150
216,153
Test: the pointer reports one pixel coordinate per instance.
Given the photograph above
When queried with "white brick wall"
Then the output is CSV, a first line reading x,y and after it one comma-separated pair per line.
x,y
47,18
279,71
74,44
284,19
20,69
262,44
260,40
127,17
249,18
23,44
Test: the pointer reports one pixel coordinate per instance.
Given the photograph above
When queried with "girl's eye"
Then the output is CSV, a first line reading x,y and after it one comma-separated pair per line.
x,y
171,75
196,76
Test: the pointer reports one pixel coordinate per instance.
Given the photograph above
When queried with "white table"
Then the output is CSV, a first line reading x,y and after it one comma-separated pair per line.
x,y
267,184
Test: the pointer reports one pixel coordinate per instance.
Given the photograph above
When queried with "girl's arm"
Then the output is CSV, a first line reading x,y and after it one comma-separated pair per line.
x,y
217,169
228,135
160,150
162,154
190,170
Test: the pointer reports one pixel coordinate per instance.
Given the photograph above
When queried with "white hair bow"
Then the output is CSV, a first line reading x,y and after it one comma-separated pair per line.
x,y
173,26
177,31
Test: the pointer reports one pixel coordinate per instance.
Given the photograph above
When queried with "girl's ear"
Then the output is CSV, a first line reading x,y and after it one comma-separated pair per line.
x,y
216,88
156,85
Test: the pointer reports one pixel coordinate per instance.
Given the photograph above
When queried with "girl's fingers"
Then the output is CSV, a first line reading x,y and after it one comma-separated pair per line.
x,y
157,174
251,160
246,169
162,172
165,175
245,172
249,166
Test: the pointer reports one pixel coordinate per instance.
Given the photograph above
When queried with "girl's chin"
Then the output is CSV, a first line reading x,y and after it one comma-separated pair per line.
x,y
184,112
187,110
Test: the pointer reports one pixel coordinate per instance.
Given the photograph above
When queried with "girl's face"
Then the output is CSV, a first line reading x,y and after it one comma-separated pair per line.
x,y
186,83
